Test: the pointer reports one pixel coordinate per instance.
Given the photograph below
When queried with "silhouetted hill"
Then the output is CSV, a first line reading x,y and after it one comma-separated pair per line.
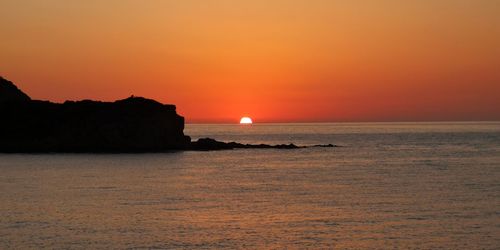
x,y
10,93
134,124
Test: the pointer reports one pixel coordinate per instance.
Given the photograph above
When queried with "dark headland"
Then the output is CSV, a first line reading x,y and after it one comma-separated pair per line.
x,y
134,124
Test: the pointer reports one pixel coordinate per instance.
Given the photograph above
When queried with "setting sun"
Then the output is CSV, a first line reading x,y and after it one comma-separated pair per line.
x,y
246,120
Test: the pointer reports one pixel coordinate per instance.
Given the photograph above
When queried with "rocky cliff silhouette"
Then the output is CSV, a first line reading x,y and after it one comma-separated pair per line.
x,y
10,93
134,124
131,125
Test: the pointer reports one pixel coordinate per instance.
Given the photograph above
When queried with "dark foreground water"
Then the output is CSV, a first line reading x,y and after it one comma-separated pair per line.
x,y
406,185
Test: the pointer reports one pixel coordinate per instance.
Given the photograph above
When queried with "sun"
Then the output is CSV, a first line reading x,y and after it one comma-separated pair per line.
x,y
246,120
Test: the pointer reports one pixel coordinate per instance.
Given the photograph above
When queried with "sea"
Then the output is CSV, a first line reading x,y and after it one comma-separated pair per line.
x,y
386,186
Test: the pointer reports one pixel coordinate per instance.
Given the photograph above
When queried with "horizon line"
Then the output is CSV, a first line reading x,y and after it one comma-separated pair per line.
x,y
345,122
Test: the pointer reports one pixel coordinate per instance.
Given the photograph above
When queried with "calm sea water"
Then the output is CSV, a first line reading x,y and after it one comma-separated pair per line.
x,y
390,185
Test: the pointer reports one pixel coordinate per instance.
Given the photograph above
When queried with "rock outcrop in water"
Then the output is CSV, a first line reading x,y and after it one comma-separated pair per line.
x,y
131,125
207,144
211,144
134,124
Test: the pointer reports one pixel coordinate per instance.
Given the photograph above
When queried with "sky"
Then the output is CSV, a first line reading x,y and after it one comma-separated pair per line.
x,y
272,60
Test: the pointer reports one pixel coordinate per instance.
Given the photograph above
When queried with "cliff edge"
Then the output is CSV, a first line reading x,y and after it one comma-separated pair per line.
x,y
10,93
134,124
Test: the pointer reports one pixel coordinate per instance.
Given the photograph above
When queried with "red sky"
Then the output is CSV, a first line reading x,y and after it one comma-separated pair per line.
x,y
273,60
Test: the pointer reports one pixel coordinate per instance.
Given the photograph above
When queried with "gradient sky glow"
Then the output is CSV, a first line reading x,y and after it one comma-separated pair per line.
x,y
272,60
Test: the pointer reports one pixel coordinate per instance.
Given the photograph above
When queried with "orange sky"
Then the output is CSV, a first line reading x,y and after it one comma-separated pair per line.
x,y
273,60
